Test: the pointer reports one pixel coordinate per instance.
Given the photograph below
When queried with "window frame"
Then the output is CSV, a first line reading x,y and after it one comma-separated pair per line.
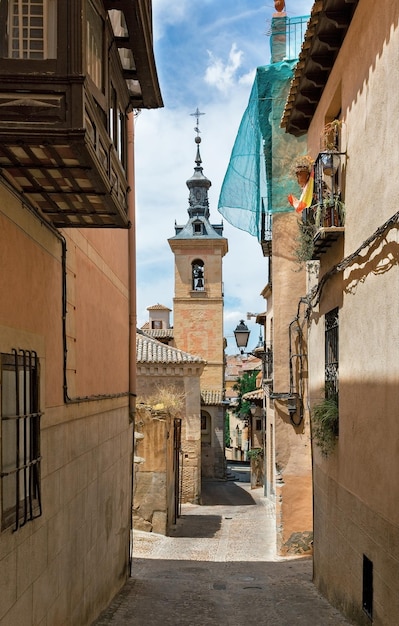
x,y
20,472
95,62
23,31
197,265
331,354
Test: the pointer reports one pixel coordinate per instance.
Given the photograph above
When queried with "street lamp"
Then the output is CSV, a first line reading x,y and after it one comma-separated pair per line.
x,y
241,334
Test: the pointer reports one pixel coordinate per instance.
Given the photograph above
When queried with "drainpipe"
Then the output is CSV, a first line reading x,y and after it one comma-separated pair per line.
x,y
132,305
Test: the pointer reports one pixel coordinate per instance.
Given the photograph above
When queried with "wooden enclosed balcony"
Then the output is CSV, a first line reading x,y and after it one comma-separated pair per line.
x,y
69,74
71,181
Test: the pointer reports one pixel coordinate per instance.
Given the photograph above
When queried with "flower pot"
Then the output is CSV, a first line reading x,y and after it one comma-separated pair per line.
x,y
302,176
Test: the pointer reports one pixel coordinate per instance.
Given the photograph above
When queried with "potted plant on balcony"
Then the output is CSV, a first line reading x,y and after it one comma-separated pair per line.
x,y
302,168
329,147
330,212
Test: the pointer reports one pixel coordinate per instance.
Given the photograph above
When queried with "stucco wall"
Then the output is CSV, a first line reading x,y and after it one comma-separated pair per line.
x,y
65,566
212,450
153,490
185,380
292,449
356,489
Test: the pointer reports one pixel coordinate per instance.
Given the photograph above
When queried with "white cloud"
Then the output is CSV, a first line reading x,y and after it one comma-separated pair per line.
x,y
223,75
165,148
166,13
165,153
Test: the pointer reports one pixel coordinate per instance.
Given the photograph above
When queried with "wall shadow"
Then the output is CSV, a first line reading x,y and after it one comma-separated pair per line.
x,y
196,526
231,593
216,493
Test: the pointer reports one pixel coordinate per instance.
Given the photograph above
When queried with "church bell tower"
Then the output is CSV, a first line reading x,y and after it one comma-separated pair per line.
x,y
199,248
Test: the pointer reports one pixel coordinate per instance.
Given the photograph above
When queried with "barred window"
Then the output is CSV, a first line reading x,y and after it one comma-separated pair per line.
x,y
28,29
331,354
20,438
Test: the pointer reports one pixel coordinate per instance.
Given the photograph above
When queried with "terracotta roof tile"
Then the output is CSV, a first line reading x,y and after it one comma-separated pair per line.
x,y
150,350
212,396
158,307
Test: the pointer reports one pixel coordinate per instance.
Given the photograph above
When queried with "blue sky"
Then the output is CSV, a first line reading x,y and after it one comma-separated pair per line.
x,y
206,54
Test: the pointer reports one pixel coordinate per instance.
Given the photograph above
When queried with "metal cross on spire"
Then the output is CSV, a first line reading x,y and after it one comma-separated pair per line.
x,y
197,114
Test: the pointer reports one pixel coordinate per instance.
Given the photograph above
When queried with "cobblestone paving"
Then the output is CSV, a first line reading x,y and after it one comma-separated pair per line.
x,y
219,567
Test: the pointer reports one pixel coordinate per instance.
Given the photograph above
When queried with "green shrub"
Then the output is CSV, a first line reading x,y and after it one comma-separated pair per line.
x,y
325,425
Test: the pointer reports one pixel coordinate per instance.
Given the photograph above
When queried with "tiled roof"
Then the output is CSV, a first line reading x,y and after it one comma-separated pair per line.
x,y
326,30
256,394
237,364
158,307
212,396
159,333
150,350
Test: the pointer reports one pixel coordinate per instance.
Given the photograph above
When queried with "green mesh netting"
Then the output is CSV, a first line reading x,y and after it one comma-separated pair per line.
x,y
259,175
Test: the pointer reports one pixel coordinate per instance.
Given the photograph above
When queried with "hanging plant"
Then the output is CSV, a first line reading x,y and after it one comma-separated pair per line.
x,y
304,243
325,421
255,454
329,139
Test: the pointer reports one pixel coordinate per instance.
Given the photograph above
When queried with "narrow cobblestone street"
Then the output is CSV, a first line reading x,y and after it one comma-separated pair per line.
x,y
219,567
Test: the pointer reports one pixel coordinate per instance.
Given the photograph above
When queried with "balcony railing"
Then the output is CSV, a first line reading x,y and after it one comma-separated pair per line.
x,y
327,214
266,233
287,35
268,364
265,353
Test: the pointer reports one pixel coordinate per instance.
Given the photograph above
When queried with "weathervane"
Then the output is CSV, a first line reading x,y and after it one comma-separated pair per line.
x,y
197,114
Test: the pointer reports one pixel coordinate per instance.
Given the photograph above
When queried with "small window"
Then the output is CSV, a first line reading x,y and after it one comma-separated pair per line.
x,y
95,45
198,228
20,439
121,137
258,424
28,29
368,586
156,324
198,283
112,118
117,127
205,427
331,355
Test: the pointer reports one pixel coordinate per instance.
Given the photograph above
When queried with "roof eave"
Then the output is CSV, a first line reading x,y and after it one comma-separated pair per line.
x,y
327,27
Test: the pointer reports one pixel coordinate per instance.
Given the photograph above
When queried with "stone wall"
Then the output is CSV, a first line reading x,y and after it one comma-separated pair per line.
x,y
153,489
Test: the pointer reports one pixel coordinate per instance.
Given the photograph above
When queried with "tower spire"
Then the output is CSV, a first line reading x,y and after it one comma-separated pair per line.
x,y
198,184
197,139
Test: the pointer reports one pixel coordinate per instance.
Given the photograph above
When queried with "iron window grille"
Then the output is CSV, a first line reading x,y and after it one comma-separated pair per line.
x,y
20,439
331,355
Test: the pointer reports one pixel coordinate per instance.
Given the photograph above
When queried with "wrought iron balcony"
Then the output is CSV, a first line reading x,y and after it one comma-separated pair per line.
x,y
327,215
268,364
266,234
265,353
